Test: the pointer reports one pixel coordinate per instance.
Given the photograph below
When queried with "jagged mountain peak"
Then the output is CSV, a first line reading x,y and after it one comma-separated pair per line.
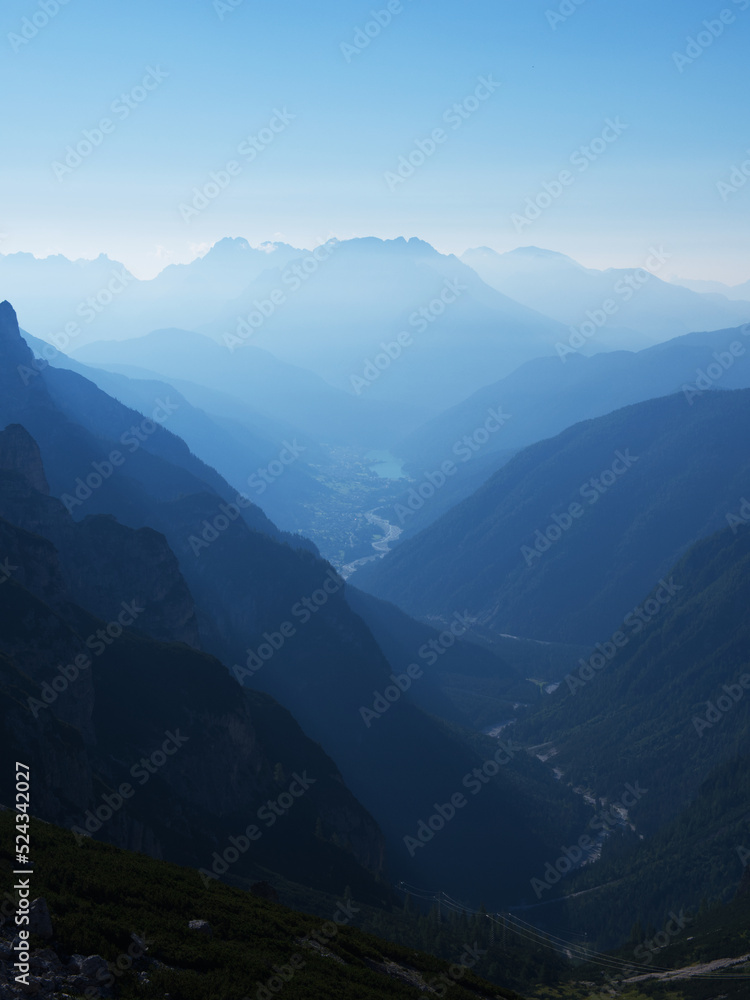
x,y
10,335
400,245
16,366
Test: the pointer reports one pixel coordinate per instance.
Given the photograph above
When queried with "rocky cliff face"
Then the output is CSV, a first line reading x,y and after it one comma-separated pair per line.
x,y
95,704
102,564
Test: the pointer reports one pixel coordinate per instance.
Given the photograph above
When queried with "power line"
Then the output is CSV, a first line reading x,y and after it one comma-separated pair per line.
x,y
528,932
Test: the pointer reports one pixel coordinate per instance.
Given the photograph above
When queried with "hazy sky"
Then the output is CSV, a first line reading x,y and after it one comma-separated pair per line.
x,y
356,111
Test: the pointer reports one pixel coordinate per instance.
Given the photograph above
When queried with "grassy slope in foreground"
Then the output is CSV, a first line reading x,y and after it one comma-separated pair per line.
x,y
99,896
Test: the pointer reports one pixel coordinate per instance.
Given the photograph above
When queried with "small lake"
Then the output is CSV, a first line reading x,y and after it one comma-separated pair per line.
x,y
385,465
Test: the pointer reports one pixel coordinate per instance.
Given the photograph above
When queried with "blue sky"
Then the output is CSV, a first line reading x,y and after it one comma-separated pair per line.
x,y
325,172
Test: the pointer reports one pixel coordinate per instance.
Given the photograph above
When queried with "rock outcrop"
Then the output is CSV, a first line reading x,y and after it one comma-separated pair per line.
x,y
201,927
102,563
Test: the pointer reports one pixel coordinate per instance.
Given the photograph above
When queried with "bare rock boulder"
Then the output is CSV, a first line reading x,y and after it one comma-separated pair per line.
x,y
201,927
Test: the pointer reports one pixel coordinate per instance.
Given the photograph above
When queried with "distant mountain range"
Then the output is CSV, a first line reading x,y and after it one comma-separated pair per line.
x,y
344,322
394,321
741,291
391,323
614,309
103,299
